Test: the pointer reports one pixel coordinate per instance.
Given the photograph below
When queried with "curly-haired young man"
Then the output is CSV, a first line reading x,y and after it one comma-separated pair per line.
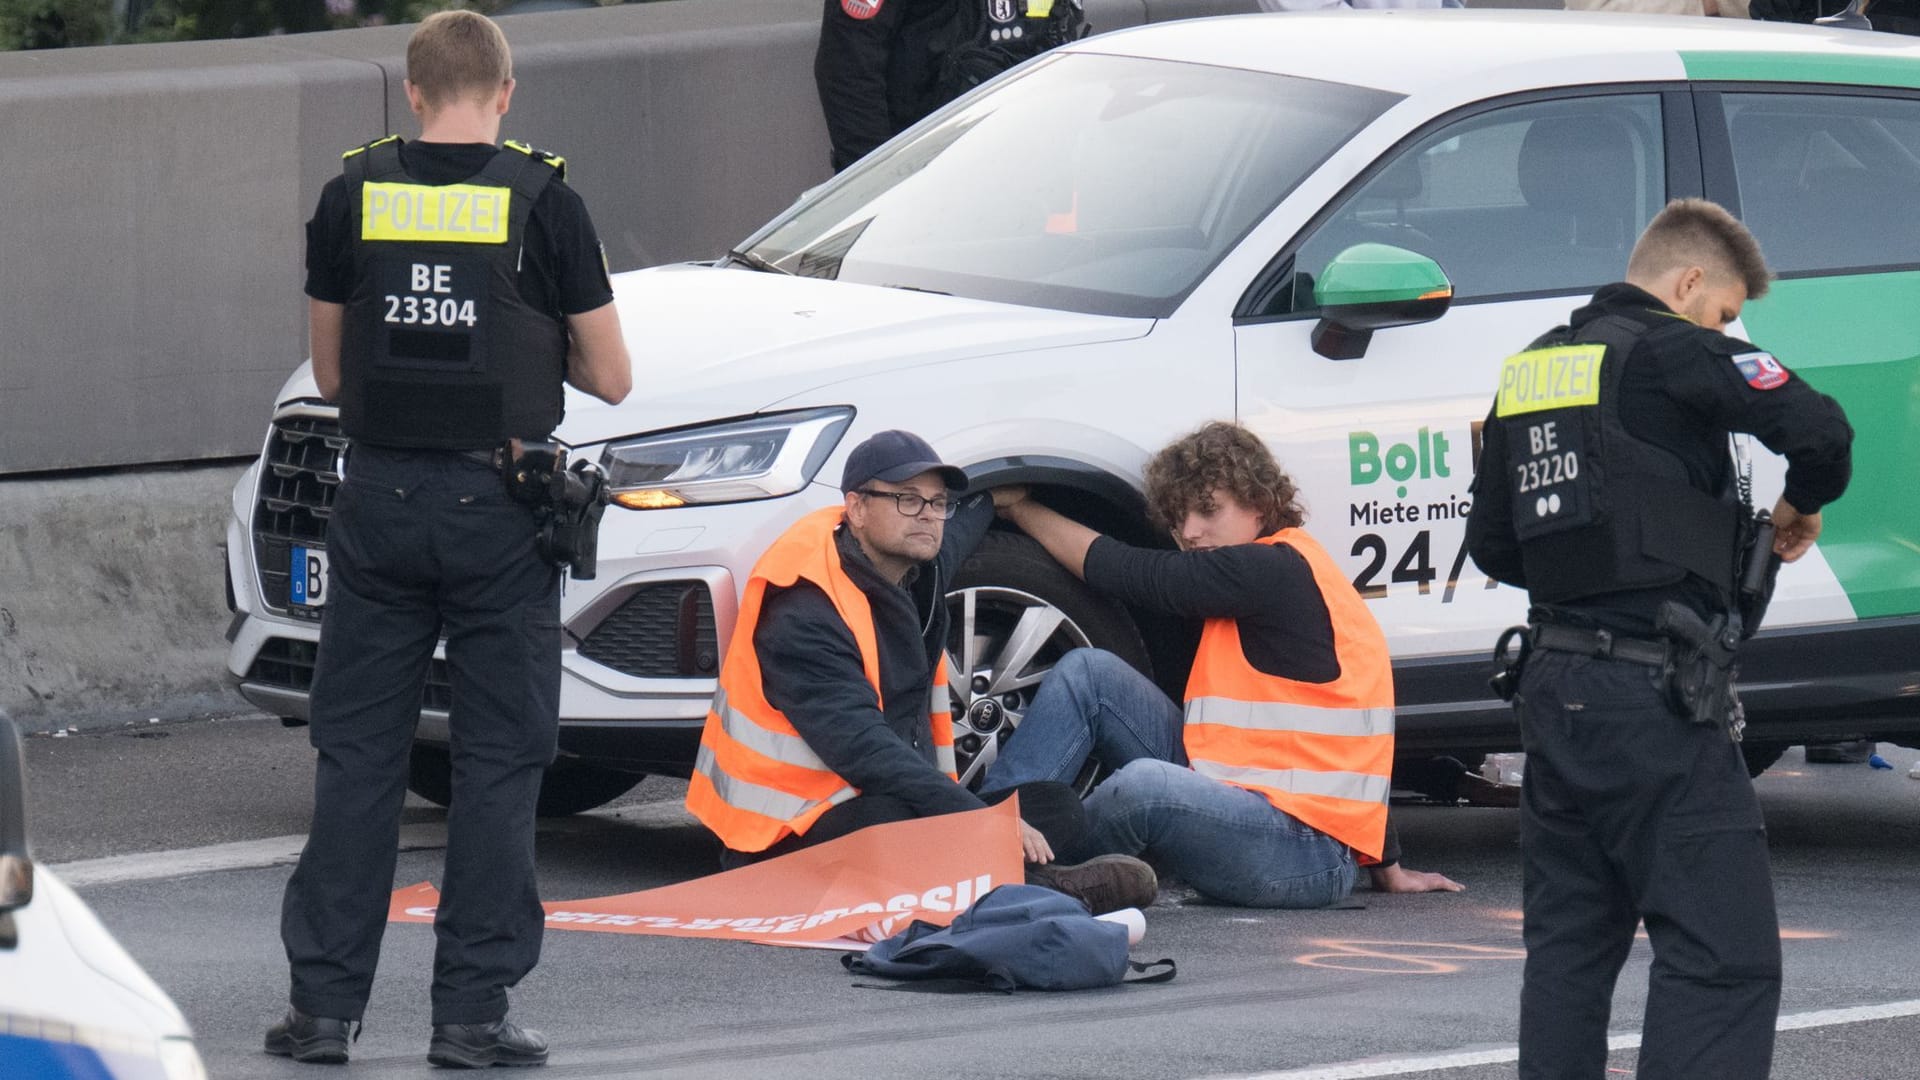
x,y
1270,785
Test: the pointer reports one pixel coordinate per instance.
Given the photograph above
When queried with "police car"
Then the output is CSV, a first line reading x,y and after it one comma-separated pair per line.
x,y
73,1004
1331,227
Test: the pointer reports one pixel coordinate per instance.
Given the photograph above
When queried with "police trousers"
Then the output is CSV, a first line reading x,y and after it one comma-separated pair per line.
x,y
425,544
1630,813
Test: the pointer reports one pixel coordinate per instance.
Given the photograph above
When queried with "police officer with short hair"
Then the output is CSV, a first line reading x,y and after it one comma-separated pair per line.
x,y
453,287
1606,489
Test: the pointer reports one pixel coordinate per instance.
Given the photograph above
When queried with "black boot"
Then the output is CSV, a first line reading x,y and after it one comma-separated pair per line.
x,y
476,1046
317,1040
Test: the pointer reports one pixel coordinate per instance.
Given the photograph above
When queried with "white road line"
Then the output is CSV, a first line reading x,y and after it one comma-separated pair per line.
x,y
1457,1059
282,850
243,855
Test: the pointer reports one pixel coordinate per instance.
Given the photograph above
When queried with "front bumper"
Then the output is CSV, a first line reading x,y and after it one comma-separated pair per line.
x,y
643,641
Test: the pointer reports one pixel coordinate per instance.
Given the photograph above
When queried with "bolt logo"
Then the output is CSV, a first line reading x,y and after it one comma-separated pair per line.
x,y
1424,456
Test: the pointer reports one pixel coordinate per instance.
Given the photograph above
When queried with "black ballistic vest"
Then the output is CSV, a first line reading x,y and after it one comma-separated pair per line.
x,y
1598,510
990,36
439,349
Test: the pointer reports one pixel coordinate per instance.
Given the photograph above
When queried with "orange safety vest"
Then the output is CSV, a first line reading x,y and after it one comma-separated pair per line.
x,y
1321,752
755,780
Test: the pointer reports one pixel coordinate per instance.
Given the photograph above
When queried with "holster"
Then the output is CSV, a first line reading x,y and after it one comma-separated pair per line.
x,y
1512,661
1758,570
1699,679
571,535
568,502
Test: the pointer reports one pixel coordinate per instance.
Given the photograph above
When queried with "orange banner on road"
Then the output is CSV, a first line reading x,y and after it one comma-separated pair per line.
x,y
843,893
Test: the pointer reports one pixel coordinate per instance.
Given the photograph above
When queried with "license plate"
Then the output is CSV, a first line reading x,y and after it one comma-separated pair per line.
x,y
309,585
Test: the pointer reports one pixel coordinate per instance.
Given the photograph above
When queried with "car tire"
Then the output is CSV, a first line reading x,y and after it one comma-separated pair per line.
x,y
1014,612
569,787
1761,756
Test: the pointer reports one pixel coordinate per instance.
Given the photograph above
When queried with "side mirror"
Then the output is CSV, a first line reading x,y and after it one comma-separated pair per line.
x,y
1371,287
1853,18
16,869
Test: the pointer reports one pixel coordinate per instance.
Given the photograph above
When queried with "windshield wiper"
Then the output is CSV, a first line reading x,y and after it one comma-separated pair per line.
x,y
917,288
757,262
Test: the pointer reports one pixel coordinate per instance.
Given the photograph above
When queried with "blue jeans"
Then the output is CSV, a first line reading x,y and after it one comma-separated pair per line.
x,y
1229,843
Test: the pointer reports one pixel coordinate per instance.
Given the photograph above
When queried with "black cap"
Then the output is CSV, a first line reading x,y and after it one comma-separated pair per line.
x,y
896,456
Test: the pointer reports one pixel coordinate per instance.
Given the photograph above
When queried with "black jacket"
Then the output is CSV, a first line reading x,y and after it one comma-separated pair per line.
x,y
876,69
811,670
1686,398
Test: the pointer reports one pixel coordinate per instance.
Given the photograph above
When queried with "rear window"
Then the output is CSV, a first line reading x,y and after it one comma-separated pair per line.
x,y
1827,181
1104,184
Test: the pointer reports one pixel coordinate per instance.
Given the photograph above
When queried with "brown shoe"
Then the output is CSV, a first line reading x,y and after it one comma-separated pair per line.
x,y
1103,884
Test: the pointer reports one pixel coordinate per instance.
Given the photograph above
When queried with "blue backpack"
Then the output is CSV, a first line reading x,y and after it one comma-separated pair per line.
x,y
1015,936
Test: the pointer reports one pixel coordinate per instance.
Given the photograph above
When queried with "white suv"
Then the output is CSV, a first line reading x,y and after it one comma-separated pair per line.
x,y
1331,227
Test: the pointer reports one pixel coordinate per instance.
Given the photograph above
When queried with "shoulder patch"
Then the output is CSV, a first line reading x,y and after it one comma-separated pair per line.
x,y
1760,369
861,9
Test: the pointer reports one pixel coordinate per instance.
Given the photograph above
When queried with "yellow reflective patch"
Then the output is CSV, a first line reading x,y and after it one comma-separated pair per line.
x,y
453,214
1039,9
369,146
1556,378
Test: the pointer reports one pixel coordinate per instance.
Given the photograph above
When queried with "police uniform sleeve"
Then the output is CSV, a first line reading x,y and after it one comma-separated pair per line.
x,y
1491,541
850,71
1743,388
581,283
811,671
330,247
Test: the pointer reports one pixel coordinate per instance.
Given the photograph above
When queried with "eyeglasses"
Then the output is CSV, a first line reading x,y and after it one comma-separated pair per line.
x,y
911,503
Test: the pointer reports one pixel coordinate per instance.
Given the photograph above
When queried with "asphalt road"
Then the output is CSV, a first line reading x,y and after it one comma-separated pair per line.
x,y
178,835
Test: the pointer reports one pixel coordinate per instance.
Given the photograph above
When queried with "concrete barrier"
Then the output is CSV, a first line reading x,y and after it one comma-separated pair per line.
x,y
155,193
111,603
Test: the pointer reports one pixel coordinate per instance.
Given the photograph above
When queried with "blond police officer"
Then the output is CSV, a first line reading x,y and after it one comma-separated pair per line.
x,y
453,287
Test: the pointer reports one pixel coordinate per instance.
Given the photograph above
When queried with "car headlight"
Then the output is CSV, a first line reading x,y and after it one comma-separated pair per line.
x,y
180,1061
761,457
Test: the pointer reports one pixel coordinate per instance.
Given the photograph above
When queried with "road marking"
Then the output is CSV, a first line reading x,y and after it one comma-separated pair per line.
x,y
1458,1059
282,850
1402,957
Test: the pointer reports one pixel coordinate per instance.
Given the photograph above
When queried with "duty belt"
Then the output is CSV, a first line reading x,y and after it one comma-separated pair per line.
x,y
1653,652
489,458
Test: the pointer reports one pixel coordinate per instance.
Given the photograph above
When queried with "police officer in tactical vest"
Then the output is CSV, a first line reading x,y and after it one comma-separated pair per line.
x,y
453,287
883,64
1606,488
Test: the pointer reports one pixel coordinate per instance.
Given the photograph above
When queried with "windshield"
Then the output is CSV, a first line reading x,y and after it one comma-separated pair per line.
x,y
1102,184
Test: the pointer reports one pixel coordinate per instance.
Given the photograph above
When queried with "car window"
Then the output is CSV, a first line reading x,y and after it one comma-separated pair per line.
x,y
1530,199
1827,182
1089,183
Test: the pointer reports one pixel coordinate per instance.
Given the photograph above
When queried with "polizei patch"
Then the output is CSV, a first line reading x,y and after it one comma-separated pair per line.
x,y
861,9
1761,370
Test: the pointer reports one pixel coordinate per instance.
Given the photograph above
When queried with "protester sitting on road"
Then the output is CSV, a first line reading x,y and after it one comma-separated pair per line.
x,y
832,710
1277,774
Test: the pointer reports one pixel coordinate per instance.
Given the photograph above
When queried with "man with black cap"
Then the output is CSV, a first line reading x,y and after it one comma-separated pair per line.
x,y
832,709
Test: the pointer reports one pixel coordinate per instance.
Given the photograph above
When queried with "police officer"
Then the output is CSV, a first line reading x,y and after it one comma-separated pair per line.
x,y
453,286
1605,488
883,64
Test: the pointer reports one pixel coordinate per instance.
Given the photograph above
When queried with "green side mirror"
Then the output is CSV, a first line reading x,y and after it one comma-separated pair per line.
x,y
1372,287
